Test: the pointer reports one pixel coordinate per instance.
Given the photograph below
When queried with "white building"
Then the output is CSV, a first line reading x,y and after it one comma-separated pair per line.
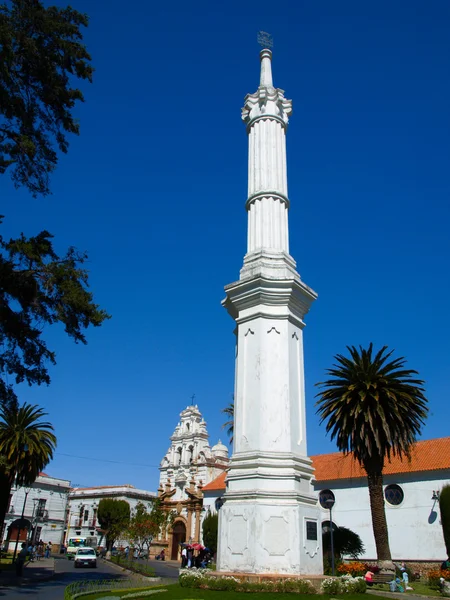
x,y
411,490
82,518
44,506
189,464
270,522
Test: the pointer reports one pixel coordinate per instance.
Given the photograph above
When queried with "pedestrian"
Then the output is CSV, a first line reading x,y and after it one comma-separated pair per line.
x,y
162,554
41,549
31,552
48,550
136,554
183,557
20,560
127,551
190,556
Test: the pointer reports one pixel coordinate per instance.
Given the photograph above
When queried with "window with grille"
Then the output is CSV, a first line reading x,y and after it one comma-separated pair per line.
x,y
393,494
40,510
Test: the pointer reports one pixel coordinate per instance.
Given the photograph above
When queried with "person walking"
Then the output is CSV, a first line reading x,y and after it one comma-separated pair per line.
x,y
20,560
48,550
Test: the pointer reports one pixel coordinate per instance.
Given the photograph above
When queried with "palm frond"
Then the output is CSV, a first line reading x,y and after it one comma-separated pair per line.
x,y
372,405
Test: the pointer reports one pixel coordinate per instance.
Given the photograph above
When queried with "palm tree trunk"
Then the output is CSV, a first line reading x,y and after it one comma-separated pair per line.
x,y
379,523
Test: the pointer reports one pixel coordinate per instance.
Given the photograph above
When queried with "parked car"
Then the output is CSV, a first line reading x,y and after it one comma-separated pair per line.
x,y
85,557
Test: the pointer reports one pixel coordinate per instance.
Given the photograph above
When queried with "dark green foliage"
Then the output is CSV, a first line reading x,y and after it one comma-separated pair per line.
x,y
40,54
345,542
374,408
26,447
133,565
144,526
444,508
210,527
37,288
114,517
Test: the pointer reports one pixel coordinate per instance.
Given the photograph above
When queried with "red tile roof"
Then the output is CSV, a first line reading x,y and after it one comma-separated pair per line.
x,y
216,484
427,455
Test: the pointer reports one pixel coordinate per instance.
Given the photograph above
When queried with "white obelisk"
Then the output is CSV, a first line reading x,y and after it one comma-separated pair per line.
x,y
270,521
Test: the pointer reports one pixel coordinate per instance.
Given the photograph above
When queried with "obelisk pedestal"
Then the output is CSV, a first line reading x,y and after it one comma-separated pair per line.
x,y
270,521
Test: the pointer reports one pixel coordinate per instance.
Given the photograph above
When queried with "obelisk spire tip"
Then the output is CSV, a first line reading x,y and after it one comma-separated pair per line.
x,y
265,40
266,68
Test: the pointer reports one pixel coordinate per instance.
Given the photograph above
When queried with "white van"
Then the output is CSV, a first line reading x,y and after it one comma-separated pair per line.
x,y
73,544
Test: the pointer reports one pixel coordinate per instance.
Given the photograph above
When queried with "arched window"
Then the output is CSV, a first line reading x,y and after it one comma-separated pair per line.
x,y
178,457
188,426
324,496
393,494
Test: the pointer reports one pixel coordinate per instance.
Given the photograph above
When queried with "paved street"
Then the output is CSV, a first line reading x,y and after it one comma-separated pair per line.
x,y
65,573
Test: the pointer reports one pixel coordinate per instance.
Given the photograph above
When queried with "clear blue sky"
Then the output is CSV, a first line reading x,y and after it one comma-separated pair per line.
x,y
154,189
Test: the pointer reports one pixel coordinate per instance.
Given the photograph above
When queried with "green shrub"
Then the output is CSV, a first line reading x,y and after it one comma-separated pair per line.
x,y
210,527
355,585
200,579
344,585
133,565
331,586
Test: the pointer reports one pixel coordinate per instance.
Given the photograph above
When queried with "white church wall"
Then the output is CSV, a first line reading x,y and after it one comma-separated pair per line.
x,y
415,531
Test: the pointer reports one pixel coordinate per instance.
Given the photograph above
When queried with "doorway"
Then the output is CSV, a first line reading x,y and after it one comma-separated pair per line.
x,y
178,537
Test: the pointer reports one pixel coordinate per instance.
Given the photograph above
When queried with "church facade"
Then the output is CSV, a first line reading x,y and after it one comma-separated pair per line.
x,y
188,465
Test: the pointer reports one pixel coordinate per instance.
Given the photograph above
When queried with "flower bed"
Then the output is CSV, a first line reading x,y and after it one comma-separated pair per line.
x,y
202,579
435,575
352,568
344,585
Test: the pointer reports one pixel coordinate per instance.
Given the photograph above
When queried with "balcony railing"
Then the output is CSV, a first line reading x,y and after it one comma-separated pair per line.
x,y
42,515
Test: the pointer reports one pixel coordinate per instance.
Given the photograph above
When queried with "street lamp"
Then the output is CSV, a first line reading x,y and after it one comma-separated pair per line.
x,y
329,503
31,534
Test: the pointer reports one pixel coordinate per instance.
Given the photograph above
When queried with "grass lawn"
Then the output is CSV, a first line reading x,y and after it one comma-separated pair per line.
x,y
176,592
418,588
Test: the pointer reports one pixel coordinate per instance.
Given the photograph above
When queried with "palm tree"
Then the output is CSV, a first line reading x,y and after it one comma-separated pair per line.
x,y
26,447
374,408
229,411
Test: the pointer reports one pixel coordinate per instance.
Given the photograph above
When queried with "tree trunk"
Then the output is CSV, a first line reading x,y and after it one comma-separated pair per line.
x,y
379,524
5,492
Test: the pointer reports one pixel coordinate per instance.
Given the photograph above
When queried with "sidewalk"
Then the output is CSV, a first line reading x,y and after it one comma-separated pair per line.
x,y
400,595
172,563
33,572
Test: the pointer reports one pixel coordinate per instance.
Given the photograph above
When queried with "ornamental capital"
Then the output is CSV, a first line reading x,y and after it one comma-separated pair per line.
x,y
266,103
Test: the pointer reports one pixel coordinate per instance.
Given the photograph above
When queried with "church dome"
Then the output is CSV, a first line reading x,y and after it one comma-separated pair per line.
x,y
219,450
